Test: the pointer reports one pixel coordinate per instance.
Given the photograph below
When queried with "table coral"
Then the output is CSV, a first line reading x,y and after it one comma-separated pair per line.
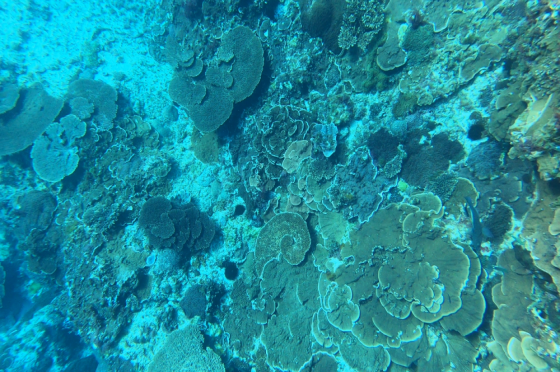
x,y
36,112
54,153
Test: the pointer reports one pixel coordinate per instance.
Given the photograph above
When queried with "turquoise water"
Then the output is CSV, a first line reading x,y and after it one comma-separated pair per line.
x,y
268,185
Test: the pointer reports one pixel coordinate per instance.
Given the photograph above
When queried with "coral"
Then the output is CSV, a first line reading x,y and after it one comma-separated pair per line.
x,y
450,352
81,107
362,358
324,137
101,95
34,232
538,226
332,226
469,317
296,152
341,311
280,126
554,227
486,159
169,225
424,163
154,219
194,302
286,335
533,131
499,221
54,154
285,233
438,14
241,322
444,185
219,77
362,20
34,114
508,106
357,191
418,43
209,102
42,250
183,351
390,55
9,95
213,111
36,211
324,19
187,93
486,54
549,166
206,147
511,297
383,146
248,60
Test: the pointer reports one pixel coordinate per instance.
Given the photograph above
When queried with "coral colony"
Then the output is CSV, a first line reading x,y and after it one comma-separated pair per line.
x,y
280,185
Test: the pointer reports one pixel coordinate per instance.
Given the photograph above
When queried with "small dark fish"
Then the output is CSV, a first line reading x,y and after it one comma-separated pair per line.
x,y
476,235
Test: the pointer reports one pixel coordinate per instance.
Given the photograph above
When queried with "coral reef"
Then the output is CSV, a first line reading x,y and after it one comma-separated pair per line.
x,y
310,185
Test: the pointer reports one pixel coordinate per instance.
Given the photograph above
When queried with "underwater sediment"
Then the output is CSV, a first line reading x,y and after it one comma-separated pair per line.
x,y
280,185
